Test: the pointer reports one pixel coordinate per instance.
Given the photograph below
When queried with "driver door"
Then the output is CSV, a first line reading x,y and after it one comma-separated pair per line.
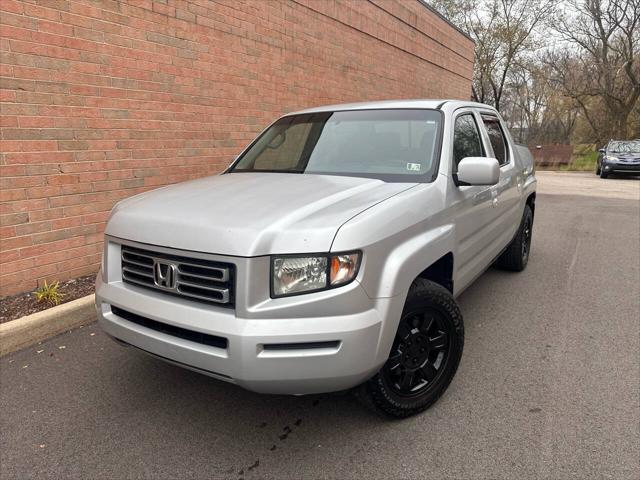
x,y
473,206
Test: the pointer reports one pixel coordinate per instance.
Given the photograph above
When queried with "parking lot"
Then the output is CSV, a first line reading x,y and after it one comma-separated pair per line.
x,y
548,387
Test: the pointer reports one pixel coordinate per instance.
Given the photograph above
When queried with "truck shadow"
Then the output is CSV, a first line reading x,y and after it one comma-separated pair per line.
x,y
173,408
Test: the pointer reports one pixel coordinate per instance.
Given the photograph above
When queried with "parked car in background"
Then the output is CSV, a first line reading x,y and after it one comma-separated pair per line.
x,y
619,157
328,255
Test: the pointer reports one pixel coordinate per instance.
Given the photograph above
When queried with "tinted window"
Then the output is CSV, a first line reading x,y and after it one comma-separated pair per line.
x,y
496,137
393,145
466,138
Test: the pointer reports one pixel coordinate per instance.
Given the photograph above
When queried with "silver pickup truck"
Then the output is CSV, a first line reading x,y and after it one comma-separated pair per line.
x,y
328,255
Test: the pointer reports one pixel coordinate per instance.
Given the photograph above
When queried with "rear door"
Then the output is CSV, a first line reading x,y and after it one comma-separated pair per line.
x,y
506,195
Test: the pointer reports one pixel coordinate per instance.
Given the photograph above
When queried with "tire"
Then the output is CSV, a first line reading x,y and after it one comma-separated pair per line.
x,y
425,355
603,174
598,170
516,256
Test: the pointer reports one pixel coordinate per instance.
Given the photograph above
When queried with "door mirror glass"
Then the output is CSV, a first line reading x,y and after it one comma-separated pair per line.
x,y
478,171
602,150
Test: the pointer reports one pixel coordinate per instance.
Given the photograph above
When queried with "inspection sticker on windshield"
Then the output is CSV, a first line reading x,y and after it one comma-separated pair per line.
x,y
414,167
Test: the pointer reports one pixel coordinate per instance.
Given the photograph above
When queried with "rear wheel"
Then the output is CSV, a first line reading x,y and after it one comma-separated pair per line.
x,y
516,256
425,354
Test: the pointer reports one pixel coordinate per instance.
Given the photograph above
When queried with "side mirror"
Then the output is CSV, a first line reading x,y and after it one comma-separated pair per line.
x,y
602,150
478,171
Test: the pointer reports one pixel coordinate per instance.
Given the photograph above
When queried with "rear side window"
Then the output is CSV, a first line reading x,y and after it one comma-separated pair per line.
x,y
496,137
466,138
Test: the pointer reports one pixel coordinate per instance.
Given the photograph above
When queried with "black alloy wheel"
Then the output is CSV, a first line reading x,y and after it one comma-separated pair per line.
x,y
424,357
420,353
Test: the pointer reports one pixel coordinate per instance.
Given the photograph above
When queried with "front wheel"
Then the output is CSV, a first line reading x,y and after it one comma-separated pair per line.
x,y
603,174
425,354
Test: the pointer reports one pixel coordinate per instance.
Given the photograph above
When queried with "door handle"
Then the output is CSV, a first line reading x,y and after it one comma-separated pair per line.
x,y
494,197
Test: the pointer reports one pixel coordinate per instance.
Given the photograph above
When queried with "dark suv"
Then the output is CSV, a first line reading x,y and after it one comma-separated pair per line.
x,y
620,157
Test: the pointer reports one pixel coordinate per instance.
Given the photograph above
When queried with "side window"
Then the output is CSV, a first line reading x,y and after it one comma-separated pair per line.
x,y
466,138
496,137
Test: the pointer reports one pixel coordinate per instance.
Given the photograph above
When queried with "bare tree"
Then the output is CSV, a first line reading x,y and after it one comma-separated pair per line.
x,y
525,99
604,64
502,30
534,109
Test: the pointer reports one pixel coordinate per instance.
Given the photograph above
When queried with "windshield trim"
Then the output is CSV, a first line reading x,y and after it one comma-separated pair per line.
x,y
385,177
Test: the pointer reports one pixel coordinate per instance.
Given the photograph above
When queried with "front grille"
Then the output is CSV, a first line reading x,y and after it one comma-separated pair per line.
x,y
192,278
627,166
191,335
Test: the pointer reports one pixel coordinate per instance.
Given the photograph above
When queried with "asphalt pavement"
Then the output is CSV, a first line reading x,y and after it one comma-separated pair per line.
x,y
548,386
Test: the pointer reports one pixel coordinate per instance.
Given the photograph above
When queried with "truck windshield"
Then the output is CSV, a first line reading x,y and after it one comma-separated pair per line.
x,y
392,145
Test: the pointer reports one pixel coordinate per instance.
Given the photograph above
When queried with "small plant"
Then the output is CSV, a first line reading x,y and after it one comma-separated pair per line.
x,y
49,293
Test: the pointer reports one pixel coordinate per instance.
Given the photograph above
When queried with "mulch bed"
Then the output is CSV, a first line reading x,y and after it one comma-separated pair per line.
x,y
25,303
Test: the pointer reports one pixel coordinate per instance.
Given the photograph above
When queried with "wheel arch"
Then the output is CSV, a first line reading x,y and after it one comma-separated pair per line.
x,y
531,201
440,271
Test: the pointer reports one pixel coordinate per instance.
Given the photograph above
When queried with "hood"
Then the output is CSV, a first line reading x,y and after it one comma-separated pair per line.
x,y
248,214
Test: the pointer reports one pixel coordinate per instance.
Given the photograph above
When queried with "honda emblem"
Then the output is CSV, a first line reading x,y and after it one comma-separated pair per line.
x,y
164,275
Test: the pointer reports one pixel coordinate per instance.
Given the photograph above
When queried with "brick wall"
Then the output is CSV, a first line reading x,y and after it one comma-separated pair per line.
x,y
104,99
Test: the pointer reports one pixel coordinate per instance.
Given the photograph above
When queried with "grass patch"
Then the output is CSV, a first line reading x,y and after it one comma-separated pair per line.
x,y
49,294
584,162
583,159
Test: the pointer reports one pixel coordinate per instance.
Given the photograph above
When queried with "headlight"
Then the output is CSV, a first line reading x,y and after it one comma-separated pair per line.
x,y
291,275
611,158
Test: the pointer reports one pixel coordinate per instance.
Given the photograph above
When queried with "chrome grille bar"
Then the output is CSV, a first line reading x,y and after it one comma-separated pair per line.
x,y
192,278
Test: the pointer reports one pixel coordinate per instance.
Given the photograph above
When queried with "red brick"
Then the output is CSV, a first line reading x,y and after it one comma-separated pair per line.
x,y
12,6
21,182
14,219
27,146
9,195
8,121
12,170
36,122
16,242
40,12
24,206
31,228
46,214
55,27
42,249
104,99
19,21
39,157
10,255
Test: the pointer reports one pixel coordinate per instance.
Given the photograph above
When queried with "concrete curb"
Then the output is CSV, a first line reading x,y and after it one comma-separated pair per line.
x,y
34,328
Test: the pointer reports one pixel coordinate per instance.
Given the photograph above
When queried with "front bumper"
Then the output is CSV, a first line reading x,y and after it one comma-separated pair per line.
x,y
618,167
310,354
